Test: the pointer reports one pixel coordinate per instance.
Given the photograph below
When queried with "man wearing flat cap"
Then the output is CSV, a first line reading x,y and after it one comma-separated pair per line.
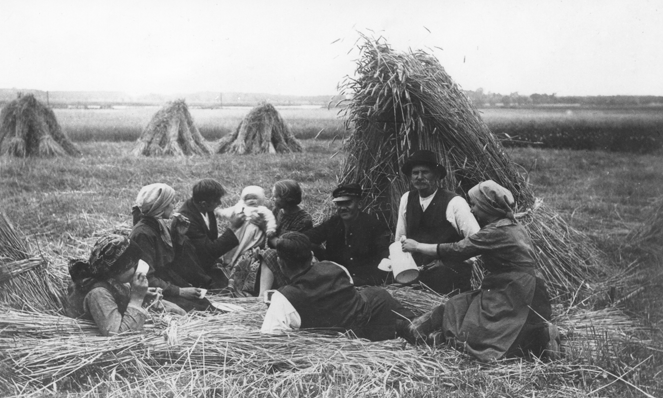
x,y
353,239
430,214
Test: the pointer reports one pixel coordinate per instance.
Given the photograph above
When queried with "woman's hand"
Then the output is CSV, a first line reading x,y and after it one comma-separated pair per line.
x,y
190,292
259,221
138,289
410,246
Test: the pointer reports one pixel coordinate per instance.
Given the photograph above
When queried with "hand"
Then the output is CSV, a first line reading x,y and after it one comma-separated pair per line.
x,y
190,292
154,294
180,224
236,220
410,246
138,288
259,221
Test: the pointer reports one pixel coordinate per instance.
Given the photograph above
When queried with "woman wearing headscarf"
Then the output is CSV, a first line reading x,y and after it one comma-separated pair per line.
x,y
510,314
100,288
173,265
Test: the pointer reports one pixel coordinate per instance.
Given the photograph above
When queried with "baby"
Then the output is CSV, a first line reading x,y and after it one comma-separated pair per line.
x,y
242,261
251,203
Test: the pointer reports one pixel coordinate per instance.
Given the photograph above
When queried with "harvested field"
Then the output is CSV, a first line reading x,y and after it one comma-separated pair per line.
x,y
63,214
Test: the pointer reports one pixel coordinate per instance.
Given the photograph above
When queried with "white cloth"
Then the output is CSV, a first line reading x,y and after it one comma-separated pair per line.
x,y
458,214
206,219
281,316
248,212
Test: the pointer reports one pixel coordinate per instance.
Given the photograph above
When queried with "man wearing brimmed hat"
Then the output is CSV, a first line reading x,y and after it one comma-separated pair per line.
x,y
354,239
431,214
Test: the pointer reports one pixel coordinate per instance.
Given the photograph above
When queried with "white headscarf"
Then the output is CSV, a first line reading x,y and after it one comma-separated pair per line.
x,y
152,200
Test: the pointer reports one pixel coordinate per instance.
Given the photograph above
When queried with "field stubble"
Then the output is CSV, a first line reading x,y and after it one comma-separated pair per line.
x,y
65,204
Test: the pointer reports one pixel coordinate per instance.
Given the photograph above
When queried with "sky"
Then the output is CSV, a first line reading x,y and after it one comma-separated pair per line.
x,y
307,47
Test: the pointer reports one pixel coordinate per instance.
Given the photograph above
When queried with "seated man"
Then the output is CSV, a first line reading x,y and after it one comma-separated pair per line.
x,y
430,214
354,239
321,295
203,231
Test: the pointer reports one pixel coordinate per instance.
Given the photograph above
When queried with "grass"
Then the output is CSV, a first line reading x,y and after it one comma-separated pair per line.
x,y
64,204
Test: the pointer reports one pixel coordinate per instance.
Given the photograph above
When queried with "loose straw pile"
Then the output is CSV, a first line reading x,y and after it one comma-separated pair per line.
x,y
26,281
184,353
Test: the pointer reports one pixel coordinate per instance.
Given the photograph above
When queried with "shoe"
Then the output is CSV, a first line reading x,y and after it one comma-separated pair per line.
x,y
553,349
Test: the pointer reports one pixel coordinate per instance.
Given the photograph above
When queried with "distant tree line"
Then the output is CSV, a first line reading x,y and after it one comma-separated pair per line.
x,y
481,98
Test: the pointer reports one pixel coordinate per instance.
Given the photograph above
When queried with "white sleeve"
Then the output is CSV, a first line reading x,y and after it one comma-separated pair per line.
x,y
401,225
280,316
225,212
460,216
269,217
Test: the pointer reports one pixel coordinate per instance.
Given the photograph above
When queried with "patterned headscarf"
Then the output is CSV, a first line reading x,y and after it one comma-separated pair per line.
x,y
152,200
253,190
493,199
103,259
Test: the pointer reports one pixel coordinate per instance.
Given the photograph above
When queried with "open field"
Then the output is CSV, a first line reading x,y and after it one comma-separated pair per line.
x,y
65,204
126,124
637,130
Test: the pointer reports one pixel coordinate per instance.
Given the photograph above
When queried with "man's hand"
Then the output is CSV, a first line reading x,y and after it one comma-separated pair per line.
x,y
410,246
237,220
180,224
190,292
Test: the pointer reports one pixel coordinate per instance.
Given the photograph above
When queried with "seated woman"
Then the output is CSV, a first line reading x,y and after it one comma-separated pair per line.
x,y
286,195
510,314
100,287
172,260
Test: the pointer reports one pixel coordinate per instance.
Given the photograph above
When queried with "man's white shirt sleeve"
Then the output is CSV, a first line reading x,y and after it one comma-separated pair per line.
x,y
461,217
281,316
401,224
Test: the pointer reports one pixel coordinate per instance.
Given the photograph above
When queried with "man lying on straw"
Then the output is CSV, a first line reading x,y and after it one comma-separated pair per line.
x,y
429,214
322,295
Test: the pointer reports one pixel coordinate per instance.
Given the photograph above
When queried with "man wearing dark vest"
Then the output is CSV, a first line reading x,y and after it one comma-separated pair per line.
x,y
322,296
431,214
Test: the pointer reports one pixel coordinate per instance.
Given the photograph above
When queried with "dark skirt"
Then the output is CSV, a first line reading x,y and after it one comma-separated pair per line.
x,y
496,321
448,277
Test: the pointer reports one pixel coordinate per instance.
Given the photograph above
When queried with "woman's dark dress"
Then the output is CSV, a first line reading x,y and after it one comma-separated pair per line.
x,y
496,321
170,267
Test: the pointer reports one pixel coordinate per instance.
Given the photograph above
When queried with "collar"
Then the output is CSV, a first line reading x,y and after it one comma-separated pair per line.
x,y
429,196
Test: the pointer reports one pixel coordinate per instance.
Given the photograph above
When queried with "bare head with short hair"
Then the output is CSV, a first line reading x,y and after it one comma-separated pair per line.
x,y
208,190
294,250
